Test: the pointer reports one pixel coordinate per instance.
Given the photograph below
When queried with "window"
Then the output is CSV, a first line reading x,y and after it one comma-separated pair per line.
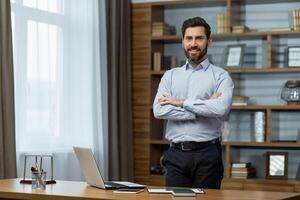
x,y
54,72
55,6
56,57
37,82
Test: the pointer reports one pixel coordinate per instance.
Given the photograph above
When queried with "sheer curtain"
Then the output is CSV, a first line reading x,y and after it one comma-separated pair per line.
x,y
60,88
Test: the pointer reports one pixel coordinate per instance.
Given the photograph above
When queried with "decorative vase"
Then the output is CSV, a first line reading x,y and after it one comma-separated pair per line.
x,y
291,92
259,126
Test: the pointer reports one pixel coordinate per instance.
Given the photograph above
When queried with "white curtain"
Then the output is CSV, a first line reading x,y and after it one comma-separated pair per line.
x,y
60,80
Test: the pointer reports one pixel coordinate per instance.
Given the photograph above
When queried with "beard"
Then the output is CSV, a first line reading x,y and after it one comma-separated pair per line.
x,y
195,57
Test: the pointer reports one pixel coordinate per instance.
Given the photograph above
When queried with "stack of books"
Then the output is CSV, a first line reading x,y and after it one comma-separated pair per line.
x,y
296,19
242,170
160,29
240,101
222,23
240,29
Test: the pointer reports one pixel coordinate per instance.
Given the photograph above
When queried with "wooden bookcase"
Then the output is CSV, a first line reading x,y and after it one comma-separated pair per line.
x,y
148,131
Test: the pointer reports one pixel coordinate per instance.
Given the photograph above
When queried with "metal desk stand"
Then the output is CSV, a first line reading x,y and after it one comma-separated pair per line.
x,y
28,181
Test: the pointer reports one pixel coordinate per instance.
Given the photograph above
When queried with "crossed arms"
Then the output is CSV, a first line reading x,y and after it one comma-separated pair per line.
x,y
168,107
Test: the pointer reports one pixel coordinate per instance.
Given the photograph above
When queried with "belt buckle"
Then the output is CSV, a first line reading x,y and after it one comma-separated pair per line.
x,y
182,147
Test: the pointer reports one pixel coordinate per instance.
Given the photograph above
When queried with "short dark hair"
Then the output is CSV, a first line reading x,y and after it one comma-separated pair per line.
x,y
193,22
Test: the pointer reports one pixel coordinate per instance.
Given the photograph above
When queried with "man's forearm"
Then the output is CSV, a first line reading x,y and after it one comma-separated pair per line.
x,y
169,100
209,107
171,112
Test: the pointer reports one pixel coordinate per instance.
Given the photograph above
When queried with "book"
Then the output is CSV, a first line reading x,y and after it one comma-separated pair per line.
x,y
296,19
157,62
240,98
242,177
240,29
241,164
281,29
243,169
240,101
161,28
222,23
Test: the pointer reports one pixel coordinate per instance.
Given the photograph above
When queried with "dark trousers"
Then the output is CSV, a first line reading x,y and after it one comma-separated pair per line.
x,y
200,168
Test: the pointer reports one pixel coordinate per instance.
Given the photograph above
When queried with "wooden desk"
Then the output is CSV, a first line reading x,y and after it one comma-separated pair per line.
x,y
68,190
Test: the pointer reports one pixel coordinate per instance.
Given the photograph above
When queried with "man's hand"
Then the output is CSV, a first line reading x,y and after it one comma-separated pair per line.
x,y
215,95
165,99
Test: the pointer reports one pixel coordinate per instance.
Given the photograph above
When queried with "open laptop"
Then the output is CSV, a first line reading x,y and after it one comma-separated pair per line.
x,y
92,173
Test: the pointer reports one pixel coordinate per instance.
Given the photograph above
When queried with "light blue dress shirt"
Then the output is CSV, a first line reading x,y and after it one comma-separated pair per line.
x,y
201,118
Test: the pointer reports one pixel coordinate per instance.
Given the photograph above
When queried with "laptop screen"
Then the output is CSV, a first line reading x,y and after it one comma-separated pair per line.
x,y
89,167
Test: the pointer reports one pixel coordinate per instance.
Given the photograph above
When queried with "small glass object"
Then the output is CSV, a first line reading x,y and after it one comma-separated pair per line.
x,y
38,180
291,92
40,163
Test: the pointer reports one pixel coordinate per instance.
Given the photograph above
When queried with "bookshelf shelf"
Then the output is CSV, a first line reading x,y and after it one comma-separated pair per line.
x,y
249,70
268,107
262,144
263,70
177,38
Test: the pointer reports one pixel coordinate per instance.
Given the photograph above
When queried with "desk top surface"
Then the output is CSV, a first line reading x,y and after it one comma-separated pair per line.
x,y
70,190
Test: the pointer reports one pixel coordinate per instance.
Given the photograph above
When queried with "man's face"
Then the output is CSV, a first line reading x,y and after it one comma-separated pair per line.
x,y
195,44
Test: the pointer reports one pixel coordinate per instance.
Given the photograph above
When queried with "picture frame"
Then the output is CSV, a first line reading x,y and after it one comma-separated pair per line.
x,y
293,56
276,165
298,173
233,55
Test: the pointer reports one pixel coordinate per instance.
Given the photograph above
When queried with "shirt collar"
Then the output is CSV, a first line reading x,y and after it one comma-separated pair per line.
x,y
203,65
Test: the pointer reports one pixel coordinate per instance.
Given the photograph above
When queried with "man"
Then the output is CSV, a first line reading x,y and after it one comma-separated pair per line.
x,y
194,99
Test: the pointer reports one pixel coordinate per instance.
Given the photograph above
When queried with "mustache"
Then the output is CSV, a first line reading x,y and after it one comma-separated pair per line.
x,y
194,48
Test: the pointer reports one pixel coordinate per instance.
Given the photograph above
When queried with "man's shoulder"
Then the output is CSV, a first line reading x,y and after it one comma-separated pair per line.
x,y
174,70
218,70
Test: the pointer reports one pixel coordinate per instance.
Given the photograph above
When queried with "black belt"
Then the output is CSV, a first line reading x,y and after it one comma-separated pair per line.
x,y
190,146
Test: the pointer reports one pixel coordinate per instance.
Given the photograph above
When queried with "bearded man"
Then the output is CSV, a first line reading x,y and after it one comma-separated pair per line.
x,y
194,99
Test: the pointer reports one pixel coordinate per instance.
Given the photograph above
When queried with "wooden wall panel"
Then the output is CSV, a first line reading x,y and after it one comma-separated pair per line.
x,y
141,89
141,56
141,111
141,92
157,180
141,125
141,13
140,43
138,31
143,152
142,73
